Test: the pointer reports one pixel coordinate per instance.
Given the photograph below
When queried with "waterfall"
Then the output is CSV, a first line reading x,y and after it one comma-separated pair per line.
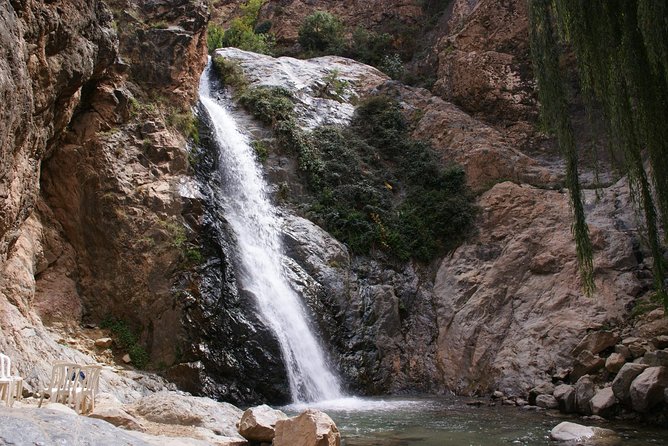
x,y
256,226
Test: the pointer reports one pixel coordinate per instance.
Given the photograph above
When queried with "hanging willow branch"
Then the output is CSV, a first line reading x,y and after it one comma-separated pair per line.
x,y
555,115
621,48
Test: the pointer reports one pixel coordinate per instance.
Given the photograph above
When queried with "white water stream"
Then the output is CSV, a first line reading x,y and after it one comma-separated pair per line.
x,y
256,225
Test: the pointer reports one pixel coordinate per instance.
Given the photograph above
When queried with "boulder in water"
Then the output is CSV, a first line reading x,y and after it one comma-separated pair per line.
x,y
579,434
310,428
259,423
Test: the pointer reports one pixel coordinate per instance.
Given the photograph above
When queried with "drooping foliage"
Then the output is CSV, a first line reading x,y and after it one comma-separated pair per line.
x,y
621,48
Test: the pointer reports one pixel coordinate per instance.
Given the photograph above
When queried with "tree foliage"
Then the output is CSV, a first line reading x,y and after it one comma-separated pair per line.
x,y
243,32
621,47
321,32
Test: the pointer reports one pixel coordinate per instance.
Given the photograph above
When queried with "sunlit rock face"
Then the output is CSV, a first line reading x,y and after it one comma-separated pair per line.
x,y
311,83
510,306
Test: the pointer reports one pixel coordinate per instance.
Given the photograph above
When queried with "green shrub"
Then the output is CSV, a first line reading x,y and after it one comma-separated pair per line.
x,y
321,32
243,32
268,104
379,189
392,65
369,47
261,149
186,123
230,73
241,35
126,339
263,28
214,36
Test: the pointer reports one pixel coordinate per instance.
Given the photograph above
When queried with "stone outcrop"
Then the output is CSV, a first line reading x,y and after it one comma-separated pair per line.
x,y
500,311
484,65
259,423
45,426
310,428
163,418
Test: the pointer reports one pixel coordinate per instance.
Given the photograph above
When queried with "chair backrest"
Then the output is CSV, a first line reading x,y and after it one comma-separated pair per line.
x,y
64,376
90,377
5,366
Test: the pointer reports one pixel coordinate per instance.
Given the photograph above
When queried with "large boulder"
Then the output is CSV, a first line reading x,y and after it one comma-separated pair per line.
x,y
565,396
310,428
547,402
491,335
624,378
596,342
603,403
174,408
647,389
577,433
259,423
584,392
586,363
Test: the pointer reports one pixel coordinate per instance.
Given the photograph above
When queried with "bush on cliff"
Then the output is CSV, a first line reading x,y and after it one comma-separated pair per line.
x,y
380,189
321,32
244,32
371,185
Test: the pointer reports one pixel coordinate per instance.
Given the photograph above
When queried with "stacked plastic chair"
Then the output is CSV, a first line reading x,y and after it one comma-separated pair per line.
x,y
11,386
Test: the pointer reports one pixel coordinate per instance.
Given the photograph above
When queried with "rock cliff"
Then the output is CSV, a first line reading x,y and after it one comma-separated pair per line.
x,y
101,216
94,171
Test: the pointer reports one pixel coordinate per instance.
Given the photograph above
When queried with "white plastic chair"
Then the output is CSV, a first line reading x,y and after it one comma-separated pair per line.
x,y
74,385
86,388
11,386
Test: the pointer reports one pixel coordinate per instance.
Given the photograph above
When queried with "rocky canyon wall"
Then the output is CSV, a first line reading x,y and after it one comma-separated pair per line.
x,y
101,217
505,309
94,163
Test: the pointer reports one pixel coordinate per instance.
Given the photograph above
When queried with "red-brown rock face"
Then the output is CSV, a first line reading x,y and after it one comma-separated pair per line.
x,y
483,62
510,306
90,169
378,15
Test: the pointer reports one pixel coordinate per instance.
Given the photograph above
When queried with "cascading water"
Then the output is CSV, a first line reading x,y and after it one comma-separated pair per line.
x,y
256,225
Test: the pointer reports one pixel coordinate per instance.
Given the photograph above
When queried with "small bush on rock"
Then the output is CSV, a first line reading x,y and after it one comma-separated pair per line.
x,y
268,104
230,73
